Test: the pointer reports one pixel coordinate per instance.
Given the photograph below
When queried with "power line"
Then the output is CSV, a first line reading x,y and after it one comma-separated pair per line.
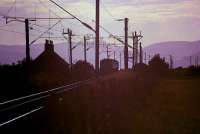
x,y
6,25
80,13
44,32
12,31
46,27
85,24
13,4
107,11
45,6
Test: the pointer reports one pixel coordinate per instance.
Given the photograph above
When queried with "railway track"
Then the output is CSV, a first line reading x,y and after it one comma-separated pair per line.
x,y
15,109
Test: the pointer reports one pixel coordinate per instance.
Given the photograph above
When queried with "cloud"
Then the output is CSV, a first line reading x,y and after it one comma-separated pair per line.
x,y
142,14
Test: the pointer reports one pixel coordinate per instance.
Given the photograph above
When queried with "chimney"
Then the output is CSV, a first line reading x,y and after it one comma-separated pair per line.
x,y
49,46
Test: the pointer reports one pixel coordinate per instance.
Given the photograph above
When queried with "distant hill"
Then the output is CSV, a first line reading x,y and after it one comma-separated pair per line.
x,y
180,50
12,54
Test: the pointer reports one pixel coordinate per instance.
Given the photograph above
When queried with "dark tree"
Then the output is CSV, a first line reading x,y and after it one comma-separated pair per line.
x,y
158,65
141,67
108,66
193,71
15,80
82,70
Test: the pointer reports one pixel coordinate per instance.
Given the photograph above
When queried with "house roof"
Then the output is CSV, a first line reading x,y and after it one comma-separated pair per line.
x,y
49,60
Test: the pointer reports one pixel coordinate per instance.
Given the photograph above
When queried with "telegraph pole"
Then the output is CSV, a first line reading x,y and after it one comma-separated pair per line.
x,y
70,46
114,55
133,54
120,60
97,36
145,57
190,60
126,44
141,54
27,40
171,61
26,21
196,61
107,51
136,48
85,49
136,38
149,57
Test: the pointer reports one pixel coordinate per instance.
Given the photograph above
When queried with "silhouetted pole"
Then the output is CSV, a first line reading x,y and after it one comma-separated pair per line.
x,y
196,61
149,58
126,45
107,51
97,36
133,54
141,54
136,48
85,49
164,59
145,57
27,40
190,60
70,47
120,60
114,55
136,38
171,62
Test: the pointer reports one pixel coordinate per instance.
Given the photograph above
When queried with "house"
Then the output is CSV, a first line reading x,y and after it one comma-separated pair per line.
x,y
49,70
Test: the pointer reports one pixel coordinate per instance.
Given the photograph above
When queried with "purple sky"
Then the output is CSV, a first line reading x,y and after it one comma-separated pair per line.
x,y
159,20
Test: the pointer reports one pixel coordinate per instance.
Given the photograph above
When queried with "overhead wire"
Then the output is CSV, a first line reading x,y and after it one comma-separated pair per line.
x,y
6,25
84,16
45,6
107,11
46,27
10,9
12,31
85,24
16,32
78,19
44,32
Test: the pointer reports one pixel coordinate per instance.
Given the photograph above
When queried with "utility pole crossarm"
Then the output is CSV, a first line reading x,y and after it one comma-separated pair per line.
x,y
37,18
